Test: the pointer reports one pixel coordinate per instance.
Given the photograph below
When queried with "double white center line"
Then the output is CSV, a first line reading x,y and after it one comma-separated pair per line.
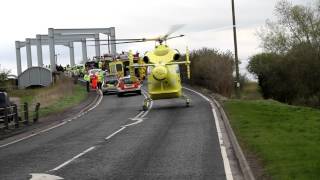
x,y
138,119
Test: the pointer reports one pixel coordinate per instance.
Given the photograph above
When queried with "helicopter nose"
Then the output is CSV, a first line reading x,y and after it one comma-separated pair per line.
x,y
159,73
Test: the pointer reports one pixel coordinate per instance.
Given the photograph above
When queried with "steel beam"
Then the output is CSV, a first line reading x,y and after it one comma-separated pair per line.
x,y
52,49
71,51
84,50
53,35
83,31
28,51
97,45
113,38
18,57
68,40
70,37
39,51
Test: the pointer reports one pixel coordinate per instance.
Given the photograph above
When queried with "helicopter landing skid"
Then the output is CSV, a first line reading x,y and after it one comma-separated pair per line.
x,y
187,99
146,102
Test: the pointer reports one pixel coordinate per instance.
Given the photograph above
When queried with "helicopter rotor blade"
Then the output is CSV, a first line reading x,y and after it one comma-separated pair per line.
x,y
173,37
172,30
165,37
113,40
126,42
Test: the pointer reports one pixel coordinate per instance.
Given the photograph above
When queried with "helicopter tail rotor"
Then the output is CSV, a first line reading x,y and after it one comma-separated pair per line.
x,y
188,62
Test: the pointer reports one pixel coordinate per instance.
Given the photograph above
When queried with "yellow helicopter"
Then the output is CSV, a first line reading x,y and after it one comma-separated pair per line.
x,y
163,74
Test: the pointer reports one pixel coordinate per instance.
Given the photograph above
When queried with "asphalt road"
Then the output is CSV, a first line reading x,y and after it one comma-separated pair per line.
x,y
117,140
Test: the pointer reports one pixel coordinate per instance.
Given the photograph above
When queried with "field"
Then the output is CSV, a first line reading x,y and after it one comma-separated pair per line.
x,y
284,139
62,95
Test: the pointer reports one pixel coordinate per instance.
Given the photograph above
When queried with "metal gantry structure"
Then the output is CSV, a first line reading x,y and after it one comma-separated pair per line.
x,y
65,37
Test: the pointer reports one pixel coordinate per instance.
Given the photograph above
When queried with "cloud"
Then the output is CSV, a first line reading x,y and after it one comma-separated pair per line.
x,y
208,23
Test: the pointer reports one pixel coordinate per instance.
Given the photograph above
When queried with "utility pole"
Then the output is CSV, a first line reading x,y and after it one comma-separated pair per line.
x,y
237,83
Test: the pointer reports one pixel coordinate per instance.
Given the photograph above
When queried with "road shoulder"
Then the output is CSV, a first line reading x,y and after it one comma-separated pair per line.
x,y
50,120
238,163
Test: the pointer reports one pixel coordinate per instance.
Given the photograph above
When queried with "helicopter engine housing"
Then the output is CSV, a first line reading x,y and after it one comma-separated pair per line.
x,y
159,73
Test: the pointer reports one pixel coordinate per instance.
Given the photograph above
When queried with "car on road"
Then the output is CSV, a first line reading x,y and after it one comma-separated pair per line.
x,y
126,85
110,84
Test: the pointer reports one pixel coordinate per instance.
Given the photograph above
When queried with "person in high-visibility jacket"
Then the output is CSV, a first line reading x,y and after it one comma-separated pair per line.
x,y
86,77
100,79
94,81
100,65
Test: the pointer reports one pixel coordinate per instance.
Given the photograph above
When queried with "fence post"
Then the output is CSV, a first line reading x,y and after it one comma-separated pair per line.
x,y
36,111
15,116
26,113
6,119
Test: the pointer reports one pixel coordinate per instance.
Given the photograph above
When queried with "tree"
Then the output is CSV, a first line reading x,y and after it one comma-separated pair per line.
x,y
289,69
296,24
4,74
3,77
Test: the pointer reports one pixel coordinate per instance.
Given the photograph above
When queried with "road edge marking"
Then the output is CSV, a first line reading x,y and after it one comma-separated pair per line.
x,y
226,163
65,121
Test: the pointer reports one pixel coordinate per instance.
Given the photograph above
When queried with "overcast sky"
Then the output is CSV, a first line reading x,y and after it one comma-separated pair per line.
x,y
207,24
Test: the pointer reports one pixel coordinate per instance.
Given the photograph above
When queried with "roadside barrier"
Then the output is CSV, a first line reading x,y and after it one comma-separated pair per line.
x,y
13,116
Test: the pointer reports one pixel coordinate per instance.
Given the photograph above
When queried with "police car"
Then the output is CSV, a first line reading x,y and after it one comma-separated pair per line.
x,y
126,86
110,84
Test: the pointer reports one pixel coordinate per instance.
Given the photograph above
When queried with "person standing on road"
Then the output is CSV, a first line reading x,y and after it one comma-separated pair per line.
x,y
86,77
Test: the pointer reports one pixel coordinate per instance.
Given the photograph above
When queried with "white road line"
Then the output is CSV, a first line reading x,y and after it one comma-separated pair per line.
x,y
31,135
99,101
138,118
111,135
18,140
138,115
53,127
225,159
72,159
58,125
137,121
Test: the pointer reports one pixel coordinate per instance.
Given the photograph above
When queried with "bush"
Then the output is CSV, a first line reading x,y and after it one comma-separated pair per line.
x,y
291,78
212,69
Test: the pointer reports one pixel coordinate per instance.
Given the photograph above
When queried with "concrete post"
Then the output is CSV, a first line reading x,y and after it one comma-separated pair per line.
x,y
109,44
71,51
52,49
28,50
97,44
112,39
39,50
18,57
84,50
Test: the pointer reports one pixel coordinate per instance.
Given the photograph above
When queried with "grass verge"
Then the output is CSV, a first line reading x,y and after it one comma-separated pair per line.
x,y
78,95
64,94
285,138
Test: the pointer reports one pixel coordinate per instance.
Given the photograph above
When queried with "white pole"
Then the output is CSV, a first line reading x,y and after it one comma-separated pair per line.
x,y
28,50
71,50
97,45
84,50
113,38
39,50
18,57
52,49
